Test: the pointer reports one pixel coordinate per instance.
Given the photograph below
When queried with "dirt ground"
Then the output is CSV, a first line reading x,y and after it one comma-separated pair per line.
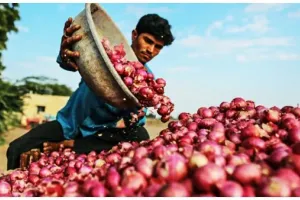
x,y
153,127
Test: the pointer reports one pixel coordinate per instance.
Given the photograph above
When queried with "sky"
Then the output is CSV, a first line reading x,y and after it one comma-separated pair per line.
x,y
221,51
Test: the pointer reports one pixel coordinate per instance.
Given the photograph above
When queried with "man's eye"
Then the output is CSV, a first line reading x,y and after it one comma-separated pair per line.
x,y
149,41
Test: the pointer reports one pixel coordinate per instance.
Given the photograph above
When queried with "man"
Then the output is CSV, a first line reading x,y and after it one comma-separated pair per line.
x,y
88,123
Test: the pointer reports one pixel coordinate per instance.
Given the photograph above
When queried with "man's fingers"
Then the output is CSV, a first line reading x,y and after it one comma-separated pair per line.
x,y
46,149
24,158
61,147
72,29
68,23
73,54
30,159
35,155
73,65
76,38
70,40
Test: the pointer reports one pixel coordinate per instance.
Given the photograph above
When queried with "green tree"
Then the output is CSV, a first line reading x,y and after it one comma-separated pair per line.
x,y
11,97
43,85
9,13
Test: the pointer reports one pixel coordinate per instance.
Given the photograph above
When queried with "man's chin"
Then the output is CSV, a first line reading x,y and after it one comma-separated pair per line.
x,y
142,60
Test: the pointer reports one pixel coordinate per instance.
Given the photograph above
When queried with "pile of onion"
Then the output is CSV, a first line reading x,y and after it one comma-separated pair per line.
x,y
236,149
148,90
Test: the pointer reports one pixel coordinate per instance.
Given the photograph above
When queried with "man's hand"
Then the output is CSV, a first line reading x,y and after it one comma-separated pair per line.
x,y
29,157
67,41
121,124
135,117
48,147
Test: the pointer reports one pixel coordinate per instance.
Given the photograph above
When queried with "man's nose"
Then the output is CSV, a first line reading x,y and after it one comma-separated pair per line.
x,y
150,49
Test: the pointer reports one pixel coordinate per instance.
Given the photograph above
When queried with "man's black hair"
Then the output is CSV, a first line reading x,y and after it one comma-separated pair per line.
x,y
156,26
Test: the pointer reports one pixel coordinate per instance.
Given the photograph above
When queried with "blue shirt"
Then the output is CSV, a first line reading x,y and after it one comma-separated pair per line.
x,y
88,114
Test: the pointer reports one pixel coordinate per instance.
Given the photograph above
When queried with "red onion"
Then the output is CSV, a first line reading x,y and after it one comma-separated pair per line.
x,y
44,172
238,159
134,181
160,82
230,189
247,173
184,116
272,115
207,123
224,106
254,143
220,161
145,167
210,148
217,136
5,189
275,187
188,184
113,158
250,131
277,157
88,186
205,178
230,113
250,104
122,192
186,150
119,68
287,109
160,152
289,176
192,126
296,112
128,81
238,103
152,190
294,135
290,123
139,153
172,168
248,191
173,190
205,112
98,190
220,117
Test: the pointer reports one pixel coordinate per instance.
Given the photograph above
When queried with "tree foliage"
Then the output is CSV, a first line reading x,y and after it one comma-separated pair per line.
x,y
9,14
43,85
12,94
11,97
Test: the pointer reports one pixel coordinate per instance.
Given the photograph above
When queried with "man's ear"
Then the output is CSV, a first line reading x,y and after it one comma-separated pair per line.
x,y
134,34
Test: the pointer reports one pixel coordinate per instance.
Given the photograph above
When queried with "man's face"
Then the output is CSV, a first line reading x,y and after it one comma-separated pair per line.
x,y
145,46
